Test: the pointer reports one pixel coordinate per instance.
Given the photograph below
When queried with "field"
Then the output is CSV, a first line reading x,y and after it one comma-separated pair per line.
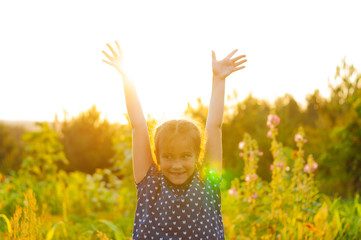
x,y
39,201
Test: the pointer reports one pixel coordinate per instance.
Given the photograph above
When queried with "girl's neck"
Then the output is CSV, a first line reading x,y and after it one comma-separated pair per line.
x,y
179,186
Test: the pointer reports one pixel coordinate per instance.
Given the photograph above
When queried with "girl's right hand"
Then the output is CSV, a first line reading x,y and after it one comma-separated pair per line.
x,y
116,59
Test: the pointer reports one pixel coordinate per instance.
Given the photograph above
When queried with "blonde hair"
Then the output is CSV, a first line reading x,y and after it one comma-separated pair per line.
x,y
169,130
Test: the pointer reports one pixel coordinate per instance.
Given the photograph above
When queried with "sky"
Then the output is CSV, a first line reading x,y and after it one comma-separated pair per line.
x,y
51,52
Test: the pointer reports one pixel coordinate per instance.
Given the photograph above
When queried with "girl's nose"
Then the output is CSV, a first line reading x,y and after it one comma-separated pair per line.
x,y
177,164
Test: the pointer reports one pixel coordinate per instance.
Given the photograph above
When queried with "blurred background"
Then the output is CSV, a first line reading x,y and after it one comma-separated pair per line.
x,y
303,62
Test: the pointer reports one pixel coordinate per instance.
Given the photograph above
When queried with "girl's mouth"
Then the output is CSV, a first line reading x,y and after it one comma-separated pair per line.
x,y
178,174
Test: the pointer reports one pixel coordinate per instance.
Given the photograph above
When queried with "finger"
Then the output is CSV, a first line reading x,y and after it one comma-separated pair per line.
x,y
237,58
239,63
232,53
108,62
119,50
238,68
213,55
112,50
107,55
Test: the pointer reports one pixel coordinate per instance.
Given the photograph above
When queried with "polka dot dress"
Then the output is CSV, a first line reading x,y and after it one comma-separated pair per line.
x,y
169,212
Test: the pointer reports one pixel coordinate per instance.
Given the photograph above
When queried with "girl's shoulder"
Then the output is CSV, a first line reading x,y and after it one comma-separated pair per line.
x,y
152,177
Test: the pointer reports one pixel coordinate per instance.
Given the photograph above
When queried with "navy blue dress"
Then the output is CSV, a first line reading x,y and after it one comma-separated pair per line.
x,y
168,212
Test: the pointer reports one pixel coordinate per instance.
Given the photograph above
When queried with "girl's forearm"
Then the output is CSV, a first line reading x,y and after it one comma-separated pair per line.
x,y
216,105
134,107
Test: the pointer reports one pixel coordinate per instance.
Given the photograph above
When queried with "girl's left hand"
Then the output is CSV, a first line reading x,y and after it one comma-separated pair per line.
x,y
223,68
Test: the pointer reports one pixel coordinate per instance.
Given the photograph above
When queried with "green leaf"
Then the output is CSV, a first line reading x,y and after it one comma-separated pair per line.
x,y
118,234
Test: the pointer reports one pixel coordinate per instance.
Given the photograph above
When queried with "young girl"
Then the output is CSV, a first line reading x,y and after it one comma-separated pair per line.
x,y
175,199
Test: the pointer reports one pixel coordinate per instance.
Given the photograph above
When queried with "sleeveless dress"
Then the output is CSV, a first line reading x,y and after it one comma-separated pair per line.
x,y
170,212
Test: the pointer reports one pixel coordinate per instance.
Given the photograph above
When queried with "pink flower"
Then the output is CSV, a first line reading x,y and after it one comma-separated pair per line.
x,y
241,154
260,153
249,200
287,168
298,138
254,195
272,120
271,167
305,140
251,153
269,134
232,192
306,168
248,177
315,166
280,165
241,145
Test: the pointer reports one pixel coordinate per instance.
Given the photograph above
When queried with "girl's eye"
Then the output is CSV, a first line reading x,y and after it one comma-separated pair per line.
x,y
187,156
168,157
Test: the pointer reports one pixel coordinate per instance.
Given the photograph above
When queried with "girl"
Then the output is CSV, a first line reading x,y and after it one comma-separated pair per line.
x,y
178,196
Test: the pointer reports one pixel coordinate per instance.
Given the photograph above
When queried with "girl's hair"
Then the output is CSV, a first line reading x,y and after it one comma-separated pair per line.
x,y
169,130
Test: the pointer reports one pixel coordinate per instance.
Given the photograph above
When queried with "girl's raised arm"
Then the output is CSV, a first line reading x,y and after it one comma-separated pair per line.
x,y
221,70
142,154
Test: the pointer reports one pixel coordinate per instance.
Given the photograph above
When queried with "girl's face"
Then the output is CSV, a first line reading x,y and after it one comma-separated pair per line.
x,y
177,160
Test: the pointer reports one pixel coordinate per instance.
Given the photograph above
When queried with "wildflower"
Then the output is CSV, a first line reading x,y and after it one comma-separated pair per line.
x,y
272,120
241,145
271,167
248,177
315,166
241,154
249,200
251,153
254,176
280,165
298,138
269,134
260,153
307,167
254,195
232,192
287,168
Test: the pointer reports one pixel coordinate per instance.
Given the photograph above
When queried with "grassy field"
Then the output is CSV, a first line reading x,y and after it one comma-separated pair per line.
x,y
39,201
